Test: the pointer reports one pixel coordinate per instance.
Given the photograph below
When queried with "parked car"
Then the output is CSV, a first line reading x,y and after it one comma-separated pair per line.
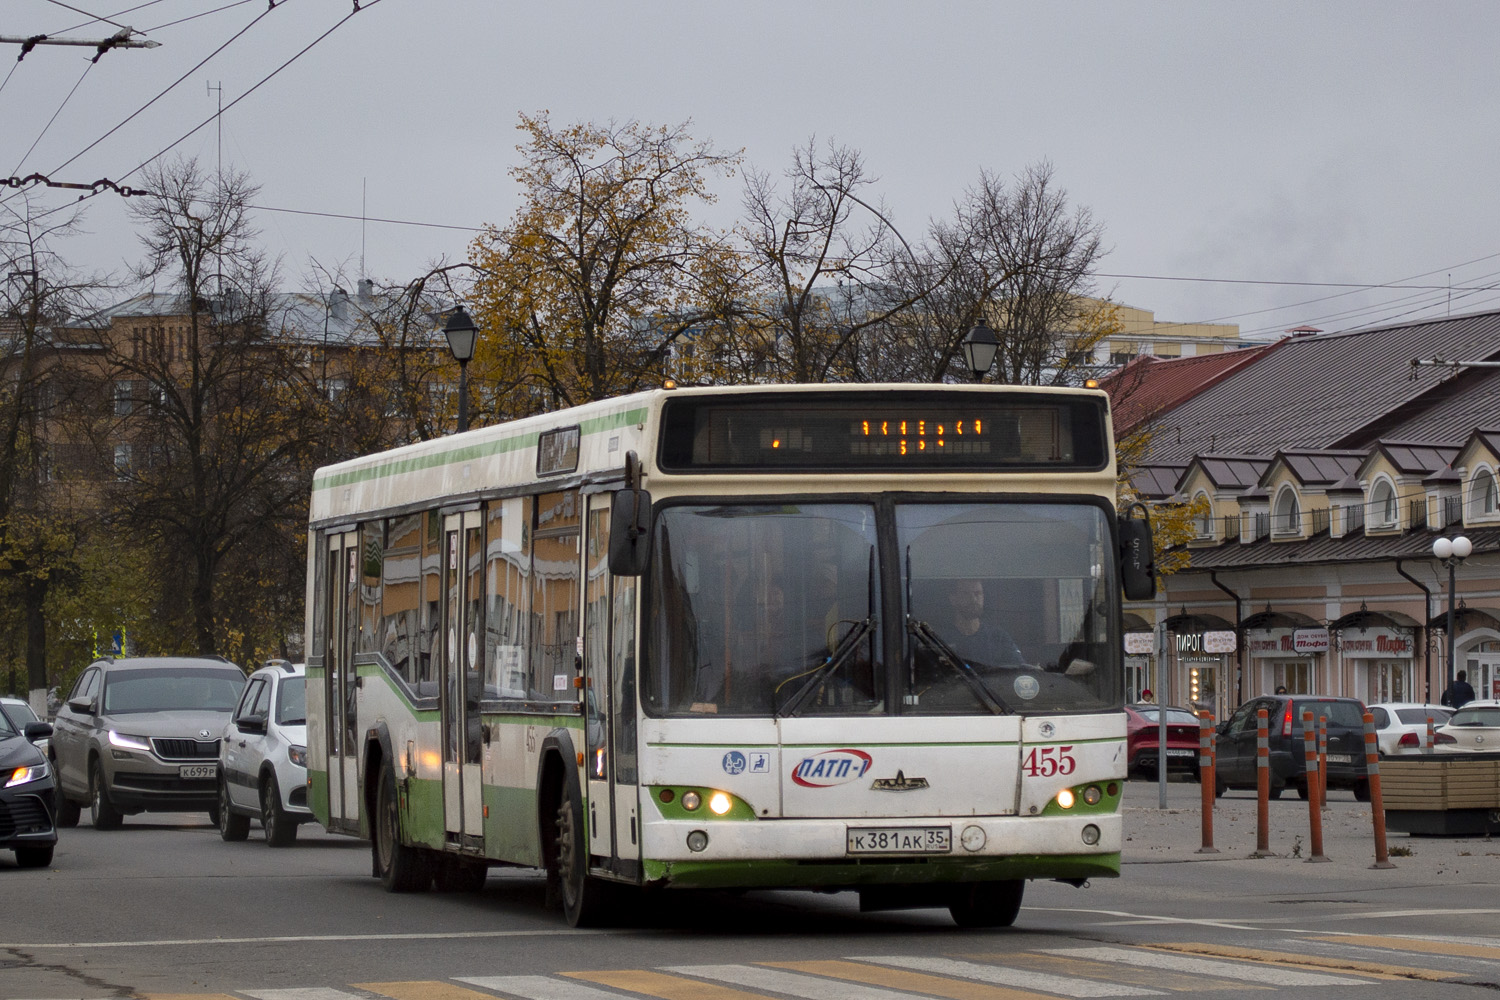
x,y
263,757
1345,747
27,794
142,735
1401,726
18,712
1143,738
1473,728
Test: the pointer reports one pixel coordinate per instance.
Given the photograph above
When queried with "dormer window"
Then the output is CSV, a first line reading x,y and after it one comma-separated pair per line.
x,y
1484,502
1203,524
1383,510
1287,517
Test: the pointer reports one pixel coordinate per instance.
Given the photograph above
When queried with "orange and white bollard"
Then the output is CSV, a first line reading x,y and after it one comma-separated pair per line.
x,y
1206,779
1310,775
1377,801
1431,734
1262,785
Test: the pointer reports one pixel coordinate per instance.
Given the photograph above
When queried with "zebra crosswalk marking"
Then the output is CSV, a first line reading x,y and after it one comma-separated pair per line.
x,y
186,996
1424,945
426,990
922,982
1379,970
666,987
1209,967
790,983
538,987
302,993
1158,979
1068,986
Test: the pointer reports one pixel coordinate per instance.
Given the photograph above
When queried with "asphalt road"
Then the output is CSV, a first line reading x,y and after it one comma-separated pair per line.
x,y
164,909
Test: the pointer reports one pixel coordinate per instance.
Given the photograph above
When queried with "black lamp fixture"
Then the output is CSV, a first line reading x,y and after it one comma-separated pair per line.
x,y
462,335
1450,552
980,346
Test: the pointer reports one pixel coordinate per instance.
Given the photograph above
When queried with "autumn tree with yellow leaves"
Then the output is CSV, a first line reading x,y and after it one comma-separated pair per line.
x,y
583,295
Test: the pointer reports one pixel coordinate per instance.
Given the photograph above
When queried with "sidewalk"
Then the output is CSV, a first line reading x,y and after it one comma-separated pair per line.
x,y
1156,836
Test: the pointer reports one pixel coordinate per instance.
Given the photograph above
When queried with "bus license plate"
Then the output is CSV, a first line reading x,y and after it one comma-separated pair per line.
x,y
198,771
900,840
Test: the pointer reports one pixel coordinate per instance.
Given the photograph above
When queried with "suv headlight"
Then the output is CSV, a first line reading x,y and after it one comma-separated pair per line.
x,y
297,755
128,742
21,775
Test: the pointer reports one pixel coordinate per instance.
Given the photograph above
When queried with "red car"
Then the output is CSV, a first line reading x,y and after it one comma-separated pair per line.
x,y
1143,737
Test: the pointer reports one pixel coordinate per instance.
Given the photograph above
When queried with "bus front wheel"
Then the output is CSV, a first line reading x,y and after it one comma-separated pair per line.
x,y
987,904
583,897
400,867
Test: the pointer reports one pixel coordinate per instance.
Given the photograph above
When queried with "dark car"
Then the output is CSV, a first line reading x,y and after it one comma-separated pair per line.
x,y
142,734
1143,738
27,795
1345,747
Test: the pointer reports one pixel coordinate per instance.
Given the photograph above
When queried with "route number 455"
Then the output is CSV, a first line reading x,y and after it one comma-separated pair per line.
x,y
1047,761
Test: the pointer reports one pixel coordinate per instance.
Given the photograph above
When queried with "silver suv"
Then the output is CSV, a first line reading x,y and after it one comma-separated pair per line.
x,y
263,757
142,734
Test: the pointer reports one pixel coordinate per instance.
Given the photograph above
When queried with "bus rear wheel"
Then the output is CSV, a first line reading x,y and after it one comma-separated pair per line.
x,y
401,868
987,904
583,897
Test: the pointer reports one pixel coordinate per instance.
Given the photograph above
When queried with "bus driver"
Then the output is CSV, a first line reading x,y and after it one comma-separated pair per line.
x,y
974,639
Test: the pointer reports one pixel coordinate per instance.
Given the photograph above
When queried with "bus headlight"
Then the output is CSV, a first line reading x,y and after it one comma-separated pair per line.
x,y
1092,795
1091,835
718,803
1065,798
697,841
691,801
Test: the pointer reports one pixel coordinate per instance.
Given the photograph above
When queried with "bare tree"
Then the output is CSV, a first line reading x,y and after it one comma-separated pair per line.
x,y
40,522
211,415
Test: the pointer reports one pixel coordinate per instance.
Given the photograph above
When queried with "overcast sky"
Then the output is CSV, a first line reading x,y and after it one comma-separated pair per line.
x,y
1263,144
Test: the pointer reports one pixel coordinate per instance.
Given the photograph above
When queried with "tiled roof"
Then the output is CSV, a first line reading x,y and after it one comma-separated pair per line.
x,y
1324,550
1148,386
1332,390
1322,467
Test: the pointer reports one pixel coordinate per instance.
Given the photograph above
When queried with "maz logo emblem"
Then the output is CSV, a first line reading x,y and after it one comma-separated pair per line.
x,y
900,783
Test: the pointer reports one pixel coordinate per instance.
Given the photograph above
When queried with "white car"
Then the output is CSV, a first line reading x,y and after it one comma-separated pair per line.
x,y
1475,728
263,757
1401,726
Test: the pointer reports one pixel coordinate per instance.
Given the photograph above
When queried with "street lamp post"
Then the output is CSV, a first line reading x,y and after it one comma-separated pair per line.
x,y
980,346
1451,551
462,335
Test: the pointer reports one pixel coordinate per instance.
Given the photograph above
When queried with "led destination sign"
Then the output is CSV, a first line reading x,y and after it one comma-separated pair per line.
x,y
882,431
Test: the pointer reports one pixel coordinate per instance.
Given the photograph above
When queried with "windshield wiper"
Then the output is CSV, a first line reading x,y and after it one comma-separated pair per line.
x,y
924,634
836,659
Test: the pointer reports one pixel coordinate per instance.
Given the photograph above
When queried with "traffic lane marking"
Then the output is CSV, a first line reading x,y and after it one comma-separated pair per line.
x,y
1425,945
539,987
995,982
1270,975
1157,978
428,990
760,977
300,993
186,996
1380,970
911,972
658,985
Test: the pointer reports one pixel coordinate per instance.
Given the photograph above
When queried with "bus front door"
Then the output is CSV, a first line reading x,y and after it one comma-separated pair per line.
x,y
463,678
340,681
609,708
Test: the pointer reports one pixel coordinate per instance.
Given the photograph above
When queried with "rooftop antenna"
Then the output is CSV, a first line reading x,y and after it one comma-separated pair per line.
x,y
219,122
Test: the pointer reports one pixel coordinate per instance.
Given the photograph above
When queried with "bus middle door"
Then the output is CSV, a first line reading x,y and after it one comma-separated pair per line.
x,y
462,677
341,680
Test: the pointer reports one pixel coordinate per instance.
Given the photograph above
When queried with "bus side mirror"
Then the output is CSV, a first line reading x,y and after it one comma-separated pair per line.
x,y
629,532
1137,556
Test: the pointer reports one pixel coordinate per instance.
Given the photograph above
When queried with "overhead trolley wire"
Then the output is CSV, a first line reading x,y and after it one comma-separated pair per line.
x,y
16,170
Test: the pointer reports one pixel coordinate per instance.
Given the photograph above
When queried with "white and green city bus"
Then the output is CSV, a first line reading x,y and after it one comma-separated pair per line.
x,y
817,637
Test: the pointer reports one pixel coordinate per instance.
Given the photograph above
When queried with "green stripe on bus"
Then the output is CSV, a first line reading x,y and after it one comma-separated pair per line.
x,y
469,452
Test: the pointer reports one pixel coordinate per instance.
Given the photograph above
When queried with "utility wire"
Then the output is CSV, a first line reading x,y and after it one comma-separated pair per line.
x,y
265,79
16,170
194,17
92,20
59,3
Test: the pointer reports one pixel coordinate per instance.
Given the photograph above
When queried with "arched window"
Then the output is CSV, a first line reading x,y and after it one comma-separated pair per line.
x,y
1287,518
1484,501
1204,523
1383,511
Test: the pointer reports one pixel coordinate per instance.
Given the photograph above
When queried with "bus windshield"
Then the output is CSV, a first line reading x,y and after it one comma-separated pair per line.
x,y
777,609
